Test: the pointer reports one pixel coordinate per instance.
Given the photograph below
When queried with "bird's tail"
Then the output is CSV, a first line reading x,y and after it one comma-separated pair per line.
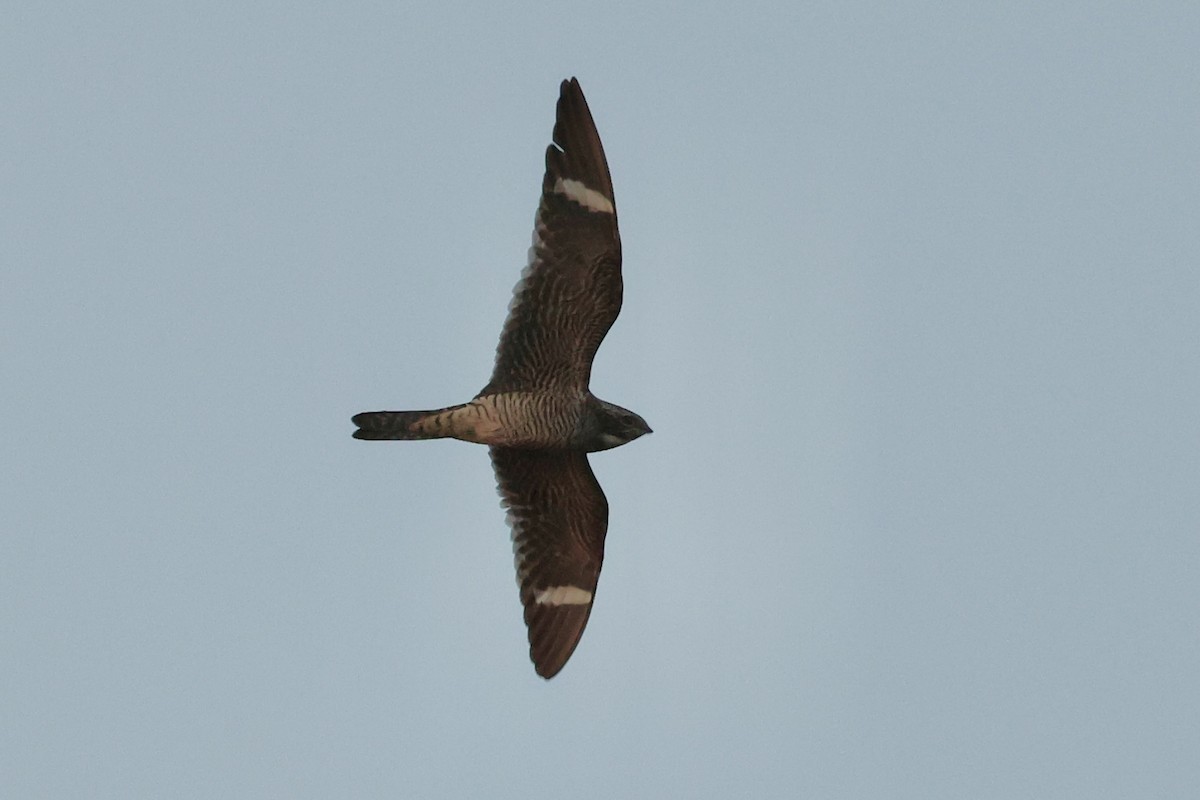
x,y
378,425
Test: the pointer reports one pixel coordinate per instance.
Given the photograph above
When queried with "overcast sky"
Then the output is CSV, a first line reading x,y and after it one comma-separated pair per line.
x,y
911,303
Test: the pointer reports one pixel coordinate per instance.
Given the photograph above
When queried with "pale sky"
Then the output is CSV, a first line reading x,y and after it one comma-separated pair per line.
x,y
911,303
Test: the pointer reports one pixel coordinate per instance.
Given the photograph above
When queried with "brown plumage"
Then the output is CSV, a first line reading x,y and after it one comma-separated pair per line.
x,y
537,413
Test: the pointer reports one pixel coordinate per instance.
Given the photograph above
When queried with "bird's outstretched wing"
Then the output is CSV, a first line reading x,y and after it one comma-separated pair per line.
x,y
570,293
558,516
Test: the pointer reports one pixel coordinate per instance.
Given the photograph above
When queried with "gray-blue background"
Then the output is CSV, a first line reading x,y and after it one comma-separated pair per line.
x,y
911,303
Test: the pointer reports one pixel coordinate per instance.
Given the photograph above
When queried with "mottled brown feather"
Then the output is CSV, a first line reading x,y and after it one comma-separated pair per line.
x,y
570,293
559,517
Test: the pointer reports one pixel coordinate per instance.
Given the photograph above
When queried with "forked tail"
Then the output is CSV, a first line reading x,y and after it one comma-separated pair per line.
x,y
379,425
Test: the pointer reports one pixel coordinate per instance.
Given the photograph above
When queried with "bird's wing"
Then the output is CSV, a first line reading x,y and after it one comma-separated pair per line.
x,y
558,516
570,292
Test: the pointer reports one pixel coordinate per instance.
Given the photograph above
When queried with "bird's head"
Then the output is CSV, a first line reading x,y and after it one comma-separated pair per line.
x,y
616,426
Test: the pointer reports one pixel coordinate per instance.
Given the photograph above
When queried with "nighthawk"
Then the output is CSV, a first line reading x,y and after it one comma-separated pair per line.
x,y
537,414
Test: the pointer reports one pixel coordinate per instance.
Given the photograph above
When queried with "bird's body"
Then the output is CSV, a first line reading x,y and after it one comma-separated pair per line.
x,y
537,414
523,420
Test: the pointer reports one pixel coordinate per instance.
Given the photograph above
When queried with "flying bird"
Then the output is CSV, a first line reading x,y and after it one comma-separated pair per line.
x,y
537,414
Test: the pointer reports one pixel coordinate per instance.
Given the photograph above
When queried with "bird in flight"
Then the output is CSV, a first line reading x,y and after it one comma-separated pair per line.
x,y
537,414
